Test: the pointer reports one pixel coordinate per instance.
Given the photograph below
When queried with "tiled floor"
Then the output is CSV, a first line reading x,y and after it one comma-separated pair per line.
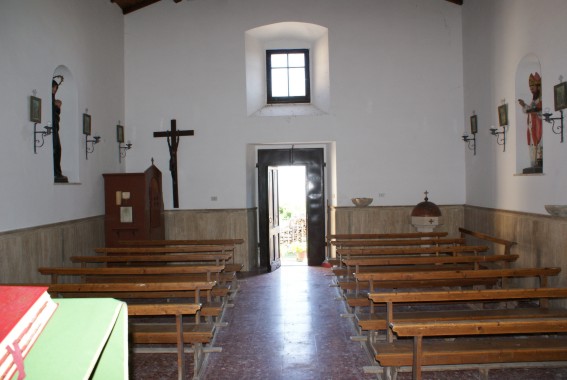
x,y
287,325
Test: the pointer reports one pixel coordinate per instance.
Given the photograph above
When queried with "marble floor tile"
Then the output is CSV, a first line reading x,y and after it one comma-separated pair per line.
x,y
287,325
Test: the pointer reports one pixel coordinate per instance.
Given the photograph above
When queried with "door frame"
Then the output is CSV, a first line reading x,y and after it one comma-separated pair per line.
x,y
314,162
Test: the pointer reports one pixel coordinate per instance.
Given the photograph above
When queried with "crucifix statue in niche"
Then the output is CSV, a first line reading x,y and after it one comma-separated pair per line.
x,y
173,143
55,119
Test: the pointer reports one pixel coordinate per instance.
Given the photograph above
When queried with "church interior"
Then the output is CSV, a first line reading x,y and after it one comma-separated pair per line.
x,y
158,116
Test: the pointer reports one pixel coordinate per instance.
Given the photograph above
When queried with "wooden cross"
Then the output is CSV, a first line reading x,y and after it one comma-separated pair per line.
x,y
173,142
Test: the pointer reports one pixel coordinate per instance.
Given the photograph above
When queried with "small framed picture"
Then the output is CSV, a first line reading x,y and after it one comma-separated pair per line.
x,y
503,115
474,125
560,96
35,109
86,124
120,133
126,215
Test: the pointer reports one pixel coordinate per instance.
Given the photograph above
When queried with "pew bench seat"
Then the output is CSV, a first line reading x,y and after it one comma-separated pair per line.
x,y
490,341
472,351
177,310
166,333
378,320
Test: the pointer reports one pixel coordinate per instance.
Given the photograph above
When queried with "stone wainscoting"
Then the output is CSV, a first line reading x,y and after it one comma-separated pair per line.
x,y
217,224
388,219
541,239
23,251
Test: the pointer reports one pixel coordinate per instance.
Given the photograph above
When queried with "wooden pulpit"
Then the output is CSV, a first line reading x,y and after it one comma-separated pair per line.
x,y
133,206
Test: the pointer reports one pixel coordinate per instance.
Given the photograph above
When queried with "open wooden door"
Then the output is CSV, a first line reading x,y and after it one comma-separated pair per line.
x,y
273,218
313,160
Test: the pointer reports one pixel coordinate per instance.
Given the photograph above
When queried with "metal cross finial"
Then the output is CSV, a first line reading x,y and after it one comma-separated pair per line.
x,y
426,192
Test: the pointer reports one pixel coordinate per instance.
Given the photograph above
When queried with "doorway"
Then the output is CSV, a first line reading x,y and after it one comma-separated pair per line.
x,y
292,215
268,203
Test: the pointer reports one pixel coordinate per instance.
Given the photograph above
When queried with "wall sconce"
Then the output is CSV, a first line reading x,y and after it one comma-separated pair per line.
x,y
35,118
37,143
87,133
474,129
93,141
122,148
500,136
557,129
503,123
560,103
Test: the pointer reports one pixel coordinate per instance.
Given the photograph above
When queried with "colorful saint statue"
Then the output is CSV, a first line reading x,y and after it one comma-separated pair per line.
x,y
534,122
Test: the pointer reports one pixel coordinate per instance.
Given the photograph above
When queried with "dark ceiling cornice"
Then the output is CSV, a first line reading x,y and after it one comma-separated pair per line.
x,y
129,6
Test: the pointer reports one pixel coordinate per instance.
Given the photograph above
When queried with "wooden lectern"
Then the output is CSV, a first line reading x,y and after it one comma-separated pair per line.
x,y
133,206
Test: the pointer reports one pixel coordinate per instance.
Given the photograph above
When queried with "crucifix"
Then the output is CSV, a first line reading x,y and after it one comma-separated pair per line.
x,y
173,142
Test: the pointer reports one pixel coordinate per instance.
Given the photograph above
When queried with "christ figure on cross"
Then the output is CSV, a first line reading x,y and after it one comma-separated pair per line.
x,y
173,142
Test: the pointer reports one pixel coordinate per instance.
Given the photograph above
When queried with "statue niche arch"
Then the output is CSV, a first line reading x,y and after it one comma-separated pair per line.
x,y
68,125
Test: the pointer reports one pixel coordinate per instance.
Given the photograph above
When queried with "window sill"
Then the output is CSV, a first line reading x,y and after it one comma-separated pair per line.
x,y
293,109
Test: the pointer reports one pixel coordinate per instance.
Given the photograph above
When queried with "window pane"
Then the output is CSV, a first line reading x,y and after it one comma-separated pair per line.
x,y
296,82
279,60
279,82
297,60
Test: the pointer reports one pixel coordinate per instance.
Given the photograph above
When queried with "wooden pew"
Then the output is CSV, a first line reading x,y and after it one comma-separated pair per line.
x,y
491,239
393,235
217,252
233,267
349,253
133,274
167,274
382,243
381,320
157,243
397,264
218,259
208,252
368,243
450,278
374,264
402,235
477,351
152,295
226,280
166,250
177,310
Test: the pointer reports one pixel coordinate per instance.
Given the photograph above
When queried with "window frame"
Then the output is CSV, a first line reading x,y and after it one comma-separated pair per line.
x,y
287,99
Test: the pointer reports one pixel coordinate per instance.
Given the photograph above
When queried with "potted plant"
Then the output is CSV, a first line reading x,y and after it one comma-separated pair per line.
x,y
300,250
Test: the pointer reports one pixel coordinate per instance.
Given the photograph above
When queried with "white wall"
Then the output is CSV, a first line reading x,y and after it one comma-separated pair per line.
x,y
396,102
497,35
37,36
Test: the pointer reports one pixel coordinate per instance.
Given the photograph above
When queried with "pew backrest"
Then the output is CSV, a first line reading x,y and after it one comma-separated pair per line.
x,y
217,258
422,260
170,242
132,272
498,241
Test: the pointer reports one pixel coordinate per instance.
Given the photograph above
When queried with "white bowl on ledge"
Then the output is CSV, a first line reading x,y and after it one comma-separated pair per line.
x,y
557,210
362,202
